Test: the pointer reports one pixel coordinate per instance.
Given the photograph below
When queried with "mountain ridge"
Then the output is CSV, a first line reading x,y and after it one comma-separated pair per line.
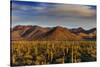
x,y
29,32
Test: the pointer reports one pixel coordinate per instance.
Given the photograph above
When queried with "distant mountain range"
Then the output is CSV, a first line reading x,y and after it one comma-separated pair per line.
x,y
57,33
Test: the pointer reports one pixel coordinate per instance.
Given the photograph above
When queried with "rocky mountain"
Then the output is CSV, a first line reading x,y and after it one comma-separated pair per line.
x,y
30,32
78,30
85,34
60,33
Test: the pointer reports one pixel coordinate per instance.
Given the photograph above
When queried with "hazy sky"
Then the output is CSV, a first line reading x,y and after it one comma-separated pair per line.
x,y
52,14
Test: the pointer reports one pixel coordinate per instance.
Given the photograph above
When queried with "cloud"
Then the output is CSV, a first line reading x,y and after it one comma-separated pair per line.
x,y
20,7
54,10
57,11
72,10
53,14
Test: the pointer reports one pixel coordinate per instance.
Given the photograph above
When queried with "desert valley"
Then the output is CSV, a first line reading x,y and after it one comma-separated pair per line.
x,y
36,45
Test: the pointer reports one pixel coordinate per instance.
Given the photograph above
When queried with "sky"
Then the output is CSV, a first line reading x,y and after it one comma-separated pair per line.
x,y
53,14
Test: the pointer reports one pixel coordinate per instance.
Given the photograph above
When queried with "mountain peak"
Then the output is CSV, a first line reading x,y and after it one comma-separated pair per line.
x,y
60,28
60,33
77,30
80,29
57,29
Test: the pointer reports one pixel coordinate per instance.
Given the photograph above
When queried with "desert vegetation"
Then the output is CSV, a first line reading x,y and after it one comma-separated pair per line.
x,y
52,52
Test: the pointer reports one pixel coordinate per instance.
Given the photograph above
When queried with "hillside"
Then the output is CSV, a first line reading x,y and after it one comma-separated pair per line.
x,y
29,32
